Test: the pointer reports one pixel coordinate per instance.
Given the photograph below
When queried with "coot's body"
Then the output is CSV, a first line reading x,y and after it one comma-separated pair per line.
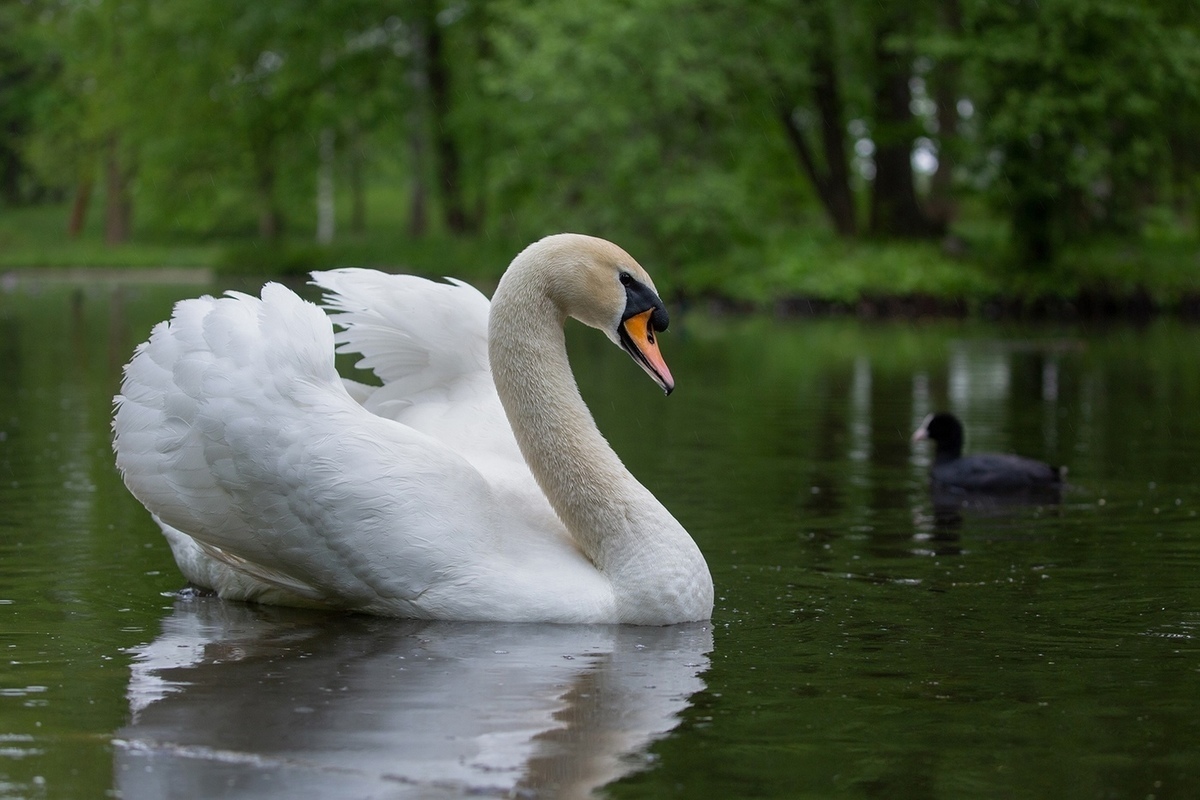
x,y
995,473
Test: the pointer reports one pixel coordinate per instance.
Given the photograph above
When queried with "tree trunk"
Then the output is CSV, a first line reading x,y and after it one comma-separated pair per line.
x,y
270,221
118,207
18,73
831,180
941,206
270,218
894,207
325,204
833,134
484,56
10,170
418,205
839,205
418,201
79,207
1033,219
449,159
358,190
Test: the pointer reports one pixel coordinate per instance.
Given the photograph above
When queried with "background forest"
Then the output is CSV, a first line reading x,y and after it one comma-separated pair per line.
x,y
749,150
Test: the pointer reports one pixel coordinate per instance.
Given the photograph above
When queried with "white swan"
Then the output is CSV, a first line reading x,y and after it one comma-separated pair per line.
x,y
473,485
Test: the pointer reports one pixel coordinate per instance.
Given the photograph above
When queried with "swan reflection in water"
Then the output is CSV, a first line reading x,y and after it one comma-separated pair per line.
x,y
235,700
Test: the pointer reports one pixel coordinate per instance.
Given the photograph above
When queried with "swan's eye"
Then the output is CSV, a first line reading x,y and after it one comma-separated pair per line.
x,y
626,279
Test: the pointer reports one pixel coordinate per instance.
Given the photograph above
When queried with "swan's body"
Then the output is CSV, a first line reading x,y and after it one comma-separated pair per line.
x,y
472,485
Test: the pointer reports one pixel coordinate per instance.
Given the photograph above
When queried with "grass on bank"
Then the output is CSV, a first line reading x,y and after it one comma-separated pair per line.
x,y
830,270
36,237
968,270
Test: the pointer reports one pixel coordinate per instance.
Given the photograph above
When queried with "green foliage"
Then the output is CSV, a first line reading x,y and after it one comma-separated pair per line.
x,y
34,236
645,140
827,269
271,258
26,73
1079,95
662,124
218,103
479,261
792,265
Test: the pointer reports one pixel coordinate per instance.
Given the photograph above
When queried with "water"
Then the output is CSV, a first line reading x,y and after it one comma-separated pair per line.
x,y
864,643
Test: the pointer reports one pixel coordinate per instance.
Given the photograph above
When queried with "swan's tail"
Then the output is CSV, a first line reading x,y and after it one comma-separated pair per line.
x,y
201,383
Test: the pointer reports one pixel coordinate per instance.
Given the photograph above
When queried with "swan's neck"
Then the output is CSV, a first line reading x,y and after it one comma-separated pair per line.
x,y
580,474
616,521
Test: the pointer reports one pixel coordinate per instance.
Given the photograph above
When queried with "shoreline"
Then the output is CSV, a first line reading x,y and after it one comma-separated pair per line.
x,y
12,277
1083,306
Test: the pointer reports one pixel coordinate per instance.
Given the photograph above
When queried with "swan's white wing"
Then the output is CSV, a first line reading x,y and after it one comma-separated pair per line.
x,y
427,343
234,428
426,334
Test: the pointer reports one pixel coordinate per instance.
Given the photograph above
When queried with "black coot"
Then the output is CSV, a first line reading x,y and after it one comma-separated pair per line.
x,y
996,473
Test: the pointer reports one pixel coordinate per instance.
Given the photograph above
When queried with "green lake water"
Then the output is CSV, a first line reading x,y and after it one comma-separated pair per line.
x,y
865,643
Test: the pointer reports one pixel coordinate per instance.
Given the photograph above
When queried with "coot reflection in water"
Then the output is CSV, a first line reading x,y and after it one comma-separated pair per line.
x,y
282,703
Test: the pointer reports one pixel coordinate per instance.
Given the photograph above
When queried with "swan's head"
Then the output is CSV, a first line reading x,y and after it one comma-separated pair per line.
x,y
601,285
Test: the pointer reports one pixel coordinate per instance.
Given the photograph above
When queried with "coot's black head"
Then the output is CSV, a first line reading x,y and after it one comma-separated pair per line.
x,y
946,432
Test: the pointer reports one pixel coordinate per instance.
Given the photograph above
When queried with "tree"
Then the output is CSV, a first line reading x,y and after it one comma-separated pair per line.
x,y
895,209
1075,96
80,117
254,79
217,102
946,84
835,85
437,78
828,172
695,130
24,73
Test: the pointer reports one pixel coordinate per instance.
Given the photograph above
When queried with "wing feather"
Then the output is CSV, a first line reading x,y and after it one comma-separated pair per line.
x,y
234,428
408,329
427,343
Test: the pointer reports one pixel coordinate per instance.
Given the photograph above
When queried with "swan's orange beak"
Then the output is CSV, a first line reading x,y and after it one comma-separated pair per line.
x,y
638,339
